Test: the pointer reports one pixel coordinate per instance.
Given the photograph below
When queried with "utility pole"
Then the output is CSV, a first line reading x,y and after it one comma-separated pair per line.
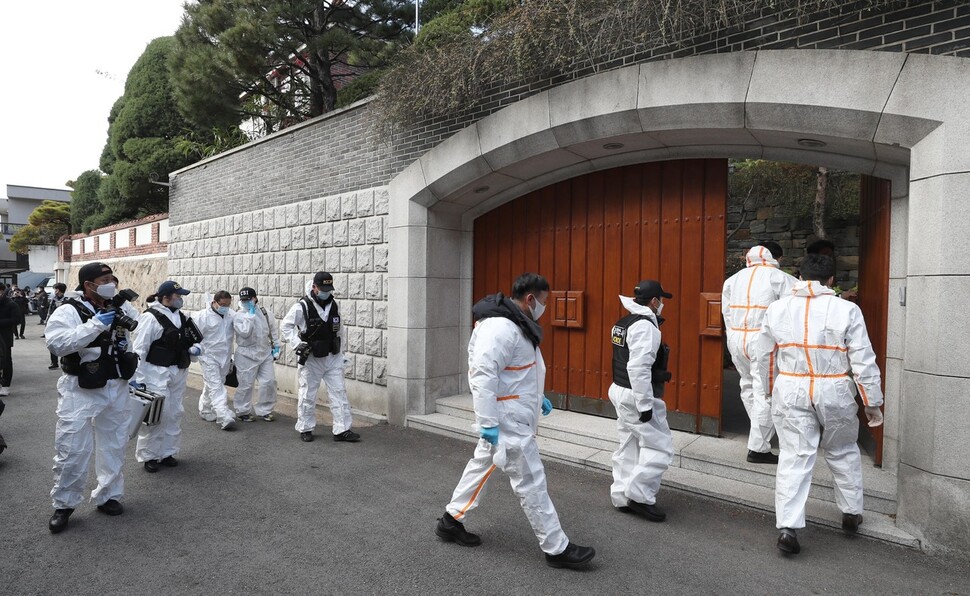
x,y
417,16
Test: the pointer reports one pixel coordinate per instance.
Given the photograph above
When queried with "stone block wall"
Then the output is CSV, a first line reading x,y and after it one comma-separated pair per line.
x,y
277,249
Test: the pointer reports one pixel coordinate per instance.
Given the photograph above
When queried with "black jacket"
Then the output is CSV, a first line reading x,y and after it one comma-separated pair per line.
x,y
21,303
9,318
497,305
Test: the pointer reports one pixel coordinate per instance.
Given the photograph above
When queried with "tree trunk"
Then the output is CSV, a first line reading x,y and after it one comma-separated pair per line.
x,y
323,93
818,212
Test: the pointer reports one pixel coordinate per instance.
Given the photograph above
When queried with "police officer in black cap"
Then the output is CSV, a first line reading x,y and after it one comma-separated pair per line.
x,y
92,406
313,325
639,374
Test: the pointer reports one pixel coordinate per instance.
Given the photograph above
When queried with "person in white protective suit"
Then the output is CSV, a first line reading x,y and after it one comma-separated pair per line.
x,y
313,325
215,322
744,300
92,405
506,375
257,348
813,352
639,373
165,341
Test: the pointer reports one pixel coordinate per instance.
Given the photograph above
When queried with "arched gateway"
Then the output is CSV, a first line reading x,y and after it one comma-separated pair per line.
x,y
891,116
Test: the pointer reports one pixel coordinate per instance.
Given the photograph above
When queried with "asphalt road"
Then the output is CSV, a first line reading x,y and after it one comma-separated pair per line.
x,y
256,511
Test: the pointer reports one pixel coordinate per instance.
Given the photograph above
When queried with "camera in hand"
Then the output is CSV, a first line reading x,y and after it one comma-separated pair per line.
x,y
121,319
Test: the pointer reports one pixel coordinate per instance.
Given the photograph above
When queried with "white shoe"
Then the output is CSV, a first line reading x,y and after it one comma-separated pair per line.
x,y
228,424
4,390
208,416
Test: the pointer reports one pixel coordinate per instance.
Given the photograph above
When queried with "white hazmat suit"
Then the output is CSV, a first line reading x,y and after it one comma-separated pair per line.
x,y
646,448
506,375
217,336
328,369
745,297
256,337
815,350
165,438
88,420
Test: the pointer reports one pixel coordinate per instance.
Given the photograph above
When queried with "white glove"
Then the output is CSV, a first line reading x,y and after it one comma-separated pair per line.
x,y
874,414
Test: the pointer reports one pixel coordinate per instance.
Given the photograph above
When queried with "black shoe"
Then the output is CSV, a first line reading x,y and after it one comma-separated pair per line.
x,y
573,557
3,444
851,522
451,530
756,457
170,462
111,507
651,512
246,418
58,522
788,542
2,407
348,436
22,337
53,367
306,436
151,466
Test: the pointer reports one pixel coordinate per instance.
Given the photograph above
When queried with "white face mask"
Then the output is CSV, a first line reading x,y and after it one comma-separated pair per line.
x,y
107,291
538,310
177,303
223,310
660,308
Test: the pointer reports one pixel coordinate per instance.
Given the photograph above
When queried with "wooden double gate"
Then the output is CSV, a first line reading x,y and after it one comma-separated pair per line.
x,y
594,237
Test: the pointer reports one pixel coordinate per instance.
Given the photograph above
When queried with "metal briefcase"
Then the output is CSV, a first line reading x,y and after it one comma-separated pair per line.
x,y
146,408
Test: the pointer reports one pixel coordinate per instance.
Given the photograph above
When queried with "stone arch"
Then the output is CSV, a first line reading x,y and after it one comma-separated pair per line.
x,y
892,115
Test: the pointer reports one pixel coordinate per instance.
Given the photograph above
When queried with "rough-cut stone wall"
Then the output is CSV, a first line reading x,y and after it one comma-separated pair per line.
x,y
793,234
143,274
277,250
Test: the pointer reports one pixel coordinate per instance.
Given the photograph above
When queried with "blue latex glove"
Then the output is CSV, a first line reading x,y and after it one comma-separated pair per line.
x,y
276,352
546,406
195,351
490,434
106,318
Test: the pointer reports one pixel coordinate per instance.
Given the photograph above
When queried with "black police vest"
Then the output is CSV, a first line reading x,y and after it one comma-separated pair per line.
x,y
172,348
71,364
323,336
621,355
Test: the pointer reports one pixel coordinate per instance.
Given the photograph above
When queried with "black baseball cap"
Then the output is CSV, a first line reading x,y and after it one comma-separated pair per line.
x,y
171,287
91,272
247,294
323,281
649,289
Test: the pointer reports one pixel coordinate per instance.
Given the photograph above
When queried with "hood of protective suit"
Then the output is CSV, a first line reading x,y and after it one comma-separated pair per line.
x,y
759,255
499,305
811,288
636,308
